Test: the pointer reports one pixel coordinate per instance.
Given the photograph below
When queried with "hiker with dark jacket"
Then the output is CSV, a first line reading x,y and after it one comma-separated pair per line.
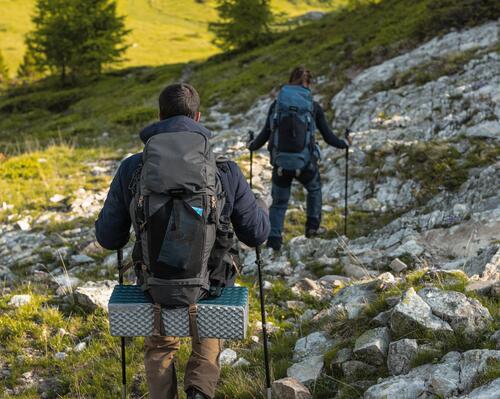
x,y
292,119
179,112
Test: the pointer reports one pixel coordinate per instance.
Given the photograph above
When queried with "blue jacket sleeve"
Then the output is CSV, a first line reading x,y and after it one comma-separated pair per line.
x,y
113,224
250,221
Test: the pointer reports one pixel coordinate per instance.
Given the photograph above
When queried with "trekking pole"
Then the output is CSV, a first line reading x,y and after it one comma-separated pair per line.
x,y
251,136
347,131
119,254
258,262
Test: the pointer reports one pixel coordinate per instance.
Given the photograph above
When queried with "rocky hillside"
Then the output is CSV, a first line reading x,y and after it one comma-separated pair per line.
x,y
406,306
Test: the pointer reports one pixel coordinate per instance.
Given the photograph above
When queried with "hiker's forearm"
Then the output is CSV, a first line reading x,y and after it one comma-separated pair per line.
x,y
326,132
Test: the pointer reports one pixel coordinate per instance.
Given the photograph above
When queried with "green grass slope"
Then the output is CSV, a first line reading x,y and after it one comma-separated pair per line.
x,y
163,31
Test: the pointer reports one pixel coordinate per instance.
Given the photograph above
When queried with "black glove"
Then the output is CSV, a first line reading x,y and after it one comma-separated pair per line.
x,y
215,291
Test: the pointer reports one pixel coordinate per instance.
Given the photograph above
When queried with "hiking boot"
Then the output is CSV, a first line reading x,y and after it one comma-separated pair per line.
x,y
274,243
195,394
312,233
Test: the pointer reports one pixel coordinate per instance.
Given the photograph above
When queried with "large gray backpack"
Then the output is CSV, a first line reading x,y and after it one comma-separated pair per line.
x,y
175,212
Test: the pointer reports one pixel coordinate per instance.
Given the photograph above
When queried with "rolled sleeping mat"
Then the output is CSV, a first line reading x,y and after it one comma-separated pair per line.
x,y
132,314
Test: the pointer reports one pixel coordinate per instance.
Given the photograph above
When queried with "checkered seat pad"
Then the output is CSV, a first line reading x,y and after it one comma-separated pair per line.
x,y
226,317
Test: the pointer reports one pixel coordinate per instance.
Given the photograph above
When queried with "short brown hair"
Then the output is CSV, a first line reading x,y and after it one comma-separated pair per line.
x,y
300,76
179,99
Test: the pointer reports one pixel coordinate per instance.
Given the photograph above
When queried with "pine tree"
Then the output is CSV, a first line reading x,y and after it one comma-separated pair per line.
x,y
243,23
28,70
4,72
76,37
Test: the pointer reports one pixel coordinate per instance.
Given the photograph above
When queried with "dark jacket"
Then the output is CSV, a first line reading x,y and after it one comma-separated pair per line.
x,y
250,222
321,124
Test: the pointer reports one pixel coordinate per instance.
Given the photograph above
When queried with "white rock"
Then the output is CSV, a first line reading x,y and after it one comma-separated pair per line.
x,y
19,300
56,198
463,313
80,347
241,362
61,355
92,295
308,370
413,313
227,357
24,224
314,344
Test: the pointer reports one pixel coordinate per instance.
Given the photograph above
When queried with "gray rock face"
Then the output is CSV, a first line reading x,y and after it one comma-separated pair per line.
x,y
462,313
453,376
400,356
485,265
413,313
6,275
354,298
290,388
397,265
93,295
488,391
342,356
372,346
315,343
307,370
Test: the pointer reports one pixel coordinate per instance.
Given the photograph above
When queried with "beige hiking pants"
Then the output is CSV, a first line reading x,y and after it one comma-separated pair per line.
x,y
202,369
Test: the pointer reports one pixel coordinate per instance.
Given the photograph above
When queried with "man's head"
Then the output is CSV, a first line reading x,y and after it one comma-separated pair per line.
x,y
300,76
179,99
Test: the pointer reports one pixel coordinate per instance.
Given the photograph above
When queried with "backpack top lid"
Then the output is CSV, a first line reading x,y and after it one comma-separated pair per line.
x,y
180,161
295,98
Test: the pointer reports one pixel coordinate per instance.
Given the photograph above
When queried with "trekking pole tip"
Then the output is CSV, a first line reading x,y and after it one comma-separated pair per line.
x,y
124,392
269,393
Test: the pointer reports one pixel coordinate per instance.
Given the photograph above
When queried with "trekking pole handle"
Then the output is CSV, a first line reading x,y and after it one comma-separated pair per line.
x,y
251,134
347,132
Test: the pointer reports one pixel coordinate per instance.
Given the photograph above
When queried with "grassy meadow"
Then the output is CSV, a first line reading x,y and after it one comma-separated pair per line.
x,y
163,31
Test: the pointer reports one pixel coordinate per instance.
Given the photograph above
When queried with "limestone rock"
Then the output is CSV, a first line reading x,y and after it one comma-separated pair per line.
x,y
462,313
488,391
19,300
372,346
93,295
413,313
315,343
454,375
290,388
354,298
81,259
307,370
400,356
397,265
227,357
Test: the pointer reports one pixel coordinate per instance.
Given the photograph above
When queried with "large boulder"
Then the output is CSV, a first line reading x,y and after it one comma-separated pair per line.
x,y
93,295
454,375
412,313
372,346
401,355
307,370
316,343
487,391
462,313
290,388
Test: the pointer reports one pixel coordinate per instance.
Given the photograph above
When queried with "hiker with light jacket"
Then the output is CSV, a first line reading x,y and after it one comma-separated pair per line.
x,y
179,200
289,130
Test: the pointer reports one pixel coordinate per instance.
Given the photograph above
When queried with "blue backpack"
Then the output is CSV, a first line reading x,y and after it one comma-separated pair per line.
x,y
293,129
